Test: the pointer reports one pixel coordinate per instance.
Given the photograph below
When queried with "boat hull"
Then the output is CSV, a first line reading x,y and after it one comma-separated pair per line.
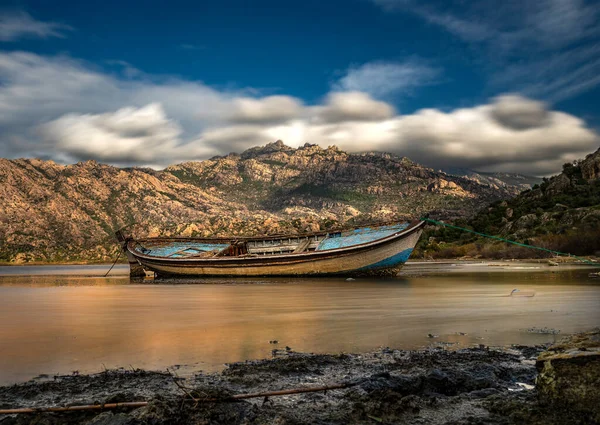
x,y
380,258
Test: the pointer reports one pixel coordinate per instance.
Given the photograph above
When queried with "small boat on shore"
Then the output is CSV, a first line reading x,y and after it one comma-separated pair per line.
x,y
371,250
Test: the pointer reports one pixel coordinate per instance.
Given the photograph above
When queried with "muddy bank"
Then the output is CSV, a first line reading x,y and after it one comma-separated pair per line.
x,y
434,386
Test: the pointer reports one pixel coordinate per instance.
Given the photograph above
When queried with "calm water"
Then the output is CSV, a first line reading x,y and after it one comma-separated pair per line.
x,y
61,319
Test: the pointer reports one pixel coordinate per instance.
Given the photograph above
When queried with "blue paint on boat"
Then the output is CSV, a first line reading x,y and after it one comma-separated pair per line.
x,y
180,249
359,236
393,261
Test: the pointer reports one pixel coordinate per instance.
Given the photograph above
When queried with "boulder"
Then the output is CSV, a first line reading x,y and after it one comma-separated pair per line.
x,y
590,167
558,185
569,375
526,221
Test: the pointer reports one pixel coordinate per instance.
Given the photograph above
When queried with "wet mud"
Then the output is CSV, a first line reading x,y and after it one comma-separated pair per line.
x,y
432,386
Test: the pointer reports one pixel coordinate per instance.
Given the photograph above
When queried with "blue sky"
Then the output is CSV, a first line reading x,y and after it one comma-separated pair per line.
x,y
494,86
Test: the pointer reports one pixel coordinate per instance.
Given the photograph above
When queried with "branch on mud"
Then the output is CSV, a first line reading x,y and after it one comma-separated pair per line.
x,y
194,399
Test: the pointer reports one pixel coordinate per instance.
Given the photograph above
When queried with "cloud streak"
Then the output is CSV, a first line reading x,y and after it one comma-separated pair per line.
x,y
532,42
383,79
19,24
60,108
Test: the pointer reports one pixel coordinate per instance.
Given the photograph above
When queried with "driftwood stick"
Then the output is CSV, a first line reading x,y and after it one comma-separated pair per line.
x,y
196,400
74,408
183,388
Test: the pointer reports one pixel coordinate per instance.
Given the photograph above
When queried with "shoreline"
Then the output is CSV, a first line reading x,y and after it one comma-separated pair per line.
x,y
429,386
122,269
412,260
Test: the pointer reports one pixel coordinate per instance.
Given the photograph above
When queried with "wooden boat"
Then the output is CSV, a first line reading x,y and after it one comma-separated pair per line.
x,y
373,250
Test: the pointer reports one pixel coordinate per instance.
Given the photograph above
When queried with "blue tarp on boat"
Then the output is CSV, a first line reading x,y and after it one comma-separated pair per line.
x,y
359,236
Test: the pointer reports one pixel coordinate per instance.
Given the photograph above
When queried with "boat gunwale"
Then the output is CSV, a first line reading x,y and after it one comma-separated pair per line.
x,y
300,256
228,239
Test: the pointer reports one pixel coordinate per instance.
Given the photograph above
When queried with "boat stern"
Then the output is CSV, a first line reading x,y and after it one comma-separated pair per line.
x,y
396,258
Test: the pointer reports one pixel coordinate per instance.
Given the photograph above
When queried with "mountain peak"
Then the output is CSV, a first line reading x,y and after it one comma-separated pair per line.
x,y
277,146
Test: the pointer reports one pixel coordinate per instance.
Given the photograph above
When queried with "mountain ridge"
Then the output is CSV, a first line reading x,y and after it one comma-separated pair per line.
x,y
518,180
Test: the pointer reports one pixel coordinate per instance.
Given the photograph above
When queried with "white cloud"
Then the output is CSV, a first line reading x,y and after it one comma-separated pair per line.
x,y
19,24
36,87
60,108
475,138
352,106
519,113
266,110
234,138
128,134
511,134
381,79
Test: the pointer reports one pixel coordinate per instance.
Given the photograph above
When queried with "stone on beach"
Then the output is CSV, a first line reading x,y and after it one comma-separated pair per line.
x,y
569,375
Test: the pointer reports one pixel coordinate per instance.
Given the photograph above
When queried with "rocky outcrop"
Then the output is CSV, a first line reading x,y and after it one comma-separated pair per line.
x,y
269,148
276,176
559,184
569,376
567,202
560,214
496,179
590,166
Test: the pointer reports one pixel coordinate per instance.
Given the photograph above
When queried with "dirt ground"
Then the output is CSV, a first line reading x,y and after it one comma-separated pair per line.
x,y
432,386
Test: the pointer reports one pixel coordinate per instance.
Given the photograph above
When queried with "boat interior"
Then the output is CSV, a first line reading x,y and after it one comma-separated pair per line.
x,y
252,247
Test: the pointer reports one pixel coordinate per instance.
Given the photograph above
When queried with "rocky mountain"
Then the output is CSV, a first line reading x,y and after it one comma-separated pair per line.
x,y
58,213
278,178
561,213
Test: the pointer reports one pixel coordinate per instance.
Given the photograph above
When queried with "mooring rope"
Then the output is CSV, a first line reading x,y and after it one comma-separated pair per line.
x,y
115,262
441,223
